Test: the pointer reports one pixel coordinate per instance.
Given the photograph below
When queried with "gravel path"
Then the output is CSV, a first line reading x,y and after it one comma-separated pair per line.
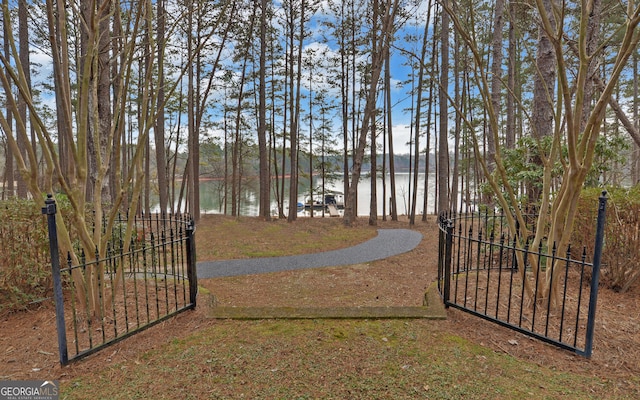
x,y
389,242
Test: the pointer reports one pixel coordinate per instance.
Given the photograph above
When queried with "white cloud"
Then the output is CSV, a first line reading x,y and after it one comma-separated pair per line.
x,y
401,138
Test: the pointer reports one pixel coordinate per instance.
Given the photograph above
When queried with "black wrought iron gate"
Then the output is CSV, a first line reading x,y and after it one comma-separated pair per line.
x,y
479,272
104,299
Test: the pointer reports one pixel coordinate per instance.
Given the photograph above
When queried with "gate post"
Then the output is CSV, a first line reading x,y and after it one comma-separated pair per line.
x,y
595,275
50,211
441,242
447,262
191,264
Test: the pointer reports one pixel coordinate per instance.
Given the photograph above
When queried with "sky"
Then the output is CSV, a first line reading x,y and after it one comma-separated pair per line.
x,y
400,72
400,95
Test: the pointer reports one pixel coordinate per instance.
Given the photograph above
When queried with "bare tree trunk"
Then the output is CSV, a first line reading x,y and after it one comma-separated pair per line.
x,y
195,166
311,140
9,177
496,78
460,78
236,156
355,106
427,166
63,89
592,43
146,196
393,204
418,117
510,131
458,99
116,167
236,148
373,181
194,139
286,94
377,61
293,134
543,94
23,37
344,92
635,154
443,144
87,8
103,94
227,140
373,202
265,184
295,117
433,68
274,149
145,200
159,129
143,105
383,169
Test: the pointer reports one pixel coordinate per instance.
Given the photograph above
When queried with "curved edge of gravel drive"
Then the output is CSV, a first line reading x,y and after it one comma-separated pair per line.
x,y
389,242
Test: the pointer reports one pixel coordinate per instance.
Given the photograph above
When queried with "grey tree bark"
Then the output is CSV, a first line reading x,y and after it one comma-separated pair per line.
x,y
443,142
262,118
496,77
159,128
542,119
387,19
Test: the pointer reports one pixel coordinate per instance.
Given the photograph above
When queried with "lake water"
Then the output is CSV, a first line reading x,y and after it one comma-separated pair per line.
x,y
211,197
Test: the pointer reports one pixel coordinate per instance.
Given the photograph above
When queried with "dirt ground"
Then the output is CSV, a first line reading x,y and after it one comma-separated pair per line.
x,y
28,342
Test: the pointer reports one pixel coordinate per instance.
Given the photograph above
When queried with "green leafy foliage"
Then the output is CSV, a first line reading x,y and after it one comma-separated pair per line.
x,y
523,166
610,151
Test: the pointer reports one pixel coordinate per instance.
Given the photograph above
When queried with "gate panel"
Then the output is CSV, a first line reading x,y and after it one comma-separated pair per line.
x,y
104,299
483,271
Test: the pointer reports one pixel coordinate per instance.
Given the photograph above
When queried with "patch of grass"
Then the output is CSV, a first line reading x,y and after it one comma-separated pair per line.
x,y
223,238
328,359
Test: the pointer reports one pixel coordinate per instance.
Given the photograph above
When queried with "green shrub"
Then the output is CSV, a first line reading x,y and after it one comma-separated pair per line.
x,y
25,267
621,252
